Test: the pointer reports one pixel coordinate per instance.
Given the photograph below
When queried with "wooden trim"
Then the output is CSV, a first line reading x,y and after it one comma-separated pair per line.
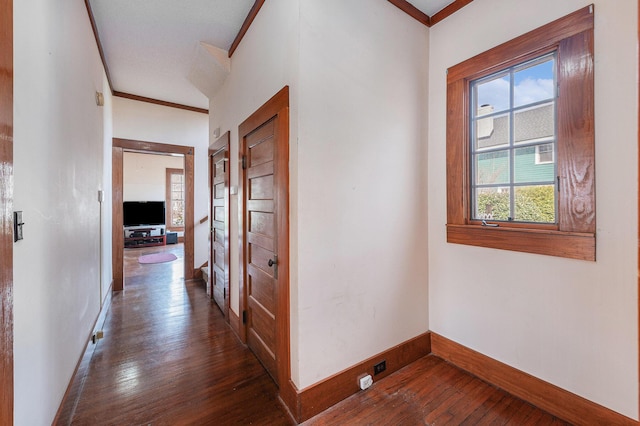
x,y
223,143
412,11
546,35
83,363
144,146
544,395
203,220
117,218
320,396
94,27
6,212
574,234
159,102
277,106
234,322
121,145
189,210
571,245
245,25
425,19
167,196
448,11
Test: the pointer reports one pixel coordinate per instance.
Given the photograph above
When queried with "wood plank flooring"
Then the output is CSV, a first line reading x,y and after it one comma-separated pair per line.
x,y
168,358
433,392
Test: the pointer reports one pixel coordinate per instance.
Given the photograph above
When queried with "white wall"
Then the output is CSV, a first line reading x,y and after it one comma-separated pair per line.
x,y
145,175
262,65
362,213
156,123
357,77
572,323
59,163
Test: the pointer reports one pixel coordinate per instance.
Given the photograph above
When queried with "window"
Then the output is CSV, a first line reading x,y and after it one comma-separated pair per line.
x,y
513,115
544,154
175,199
520,143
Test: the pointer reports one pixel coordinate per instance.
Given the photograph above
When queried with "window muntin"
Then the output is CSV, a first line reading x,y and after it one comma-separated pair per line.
x,y
175,199
512,121
573,235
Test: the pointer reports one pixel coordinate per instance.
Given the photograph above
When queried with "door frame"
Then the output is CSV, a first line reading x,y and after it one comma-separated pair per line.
x,y
222,143
119,146
6,212
277,106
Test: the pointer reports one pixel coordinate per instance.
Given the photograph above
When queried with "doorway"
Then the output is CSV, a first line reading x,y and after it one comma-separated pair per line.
x,y
119,146
264,230
218,277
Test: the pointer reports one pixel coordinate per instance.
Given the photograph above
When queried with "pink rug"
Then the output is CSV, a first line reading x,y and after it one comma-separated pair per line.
x,y
157,258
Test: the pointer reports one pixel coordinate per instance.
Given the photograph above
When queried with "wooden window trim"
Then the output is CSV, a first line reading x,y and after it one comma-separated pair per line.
x,y
168,199
574,235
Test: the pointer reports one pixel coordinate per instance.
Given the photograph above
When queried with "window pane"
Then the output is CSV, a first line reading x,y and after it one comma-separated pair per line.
x,y
528,168
534,82
492,132
492,167
492,203
535,203
534,123
545,154
494,93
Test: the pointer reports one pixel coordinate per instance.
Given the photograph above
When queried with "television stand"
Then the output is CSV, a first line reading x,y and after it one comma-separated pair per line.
x,y
144,237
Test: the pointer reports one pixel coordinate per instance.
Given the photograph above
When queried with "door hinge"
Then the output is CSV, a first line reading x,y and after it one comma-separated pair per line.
x,y
224,293
244,162
244,317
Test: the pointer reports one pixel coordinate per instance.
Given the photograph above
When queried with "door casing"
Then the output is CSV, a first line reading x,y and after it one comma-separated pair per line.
x,y
277,106
119,146
221,144
6,212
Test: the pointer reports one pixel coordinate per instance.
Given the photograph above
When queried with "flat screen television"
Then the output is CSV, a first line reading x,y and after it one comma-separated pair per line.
x,y
136,213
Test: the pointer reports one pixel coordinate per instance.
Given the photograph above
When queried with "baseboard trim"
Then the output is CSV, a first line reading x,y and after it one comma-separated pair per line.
x,y
234,322
557,401
83,362
322,395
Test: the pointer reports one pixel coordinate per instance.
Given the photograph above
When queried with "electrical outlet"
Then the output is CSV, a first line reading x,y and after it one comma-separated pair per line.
x,y
379,367
365,382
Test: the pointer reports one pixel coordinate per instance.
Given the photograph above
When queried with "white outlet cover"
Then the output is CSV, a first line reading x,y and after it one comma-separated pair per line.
x,y
366,382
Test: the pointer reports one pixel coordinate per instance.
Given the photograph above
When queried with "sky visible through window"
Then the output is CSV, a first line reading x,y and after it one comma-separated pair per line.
x,y
531,84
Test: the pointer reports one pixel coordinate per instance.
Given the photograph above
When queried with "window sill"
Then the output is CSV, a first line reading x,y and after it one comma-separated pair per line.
x,y
572,245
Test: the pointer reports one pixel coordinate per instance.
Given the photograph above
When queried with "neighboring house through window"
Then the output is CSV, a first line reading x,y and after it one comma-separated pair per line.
x,y
520,143
175,199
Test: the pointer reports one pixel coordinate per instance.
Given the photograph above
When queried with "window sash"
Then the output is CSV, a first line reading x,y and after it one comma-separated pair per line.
x,y
573,234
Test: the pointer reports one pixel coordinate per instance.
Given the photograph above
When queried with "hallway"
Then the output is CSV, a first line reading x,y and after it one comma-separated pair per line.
x,y
168,357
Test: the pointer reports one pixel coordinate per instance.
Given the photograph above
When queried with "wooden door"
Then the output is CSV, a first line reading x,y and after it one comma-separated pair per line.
x,y
218,285
6,212
264,246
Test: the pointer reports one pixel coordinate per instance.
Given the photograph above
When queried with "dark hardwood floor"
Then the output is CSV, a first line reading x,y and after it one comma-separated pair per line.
x,y
169,358
433,392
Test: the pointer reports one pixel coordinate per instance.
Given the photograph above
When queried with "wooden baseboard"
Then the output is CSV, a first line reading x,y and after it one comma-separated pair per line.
x,y
317,398
557,401
234,322
83,362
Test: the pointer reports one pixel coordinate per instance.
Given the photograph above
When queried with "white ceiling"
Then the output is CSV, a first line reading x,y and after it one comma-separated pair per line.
x,y
430,7
151,46
175,51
